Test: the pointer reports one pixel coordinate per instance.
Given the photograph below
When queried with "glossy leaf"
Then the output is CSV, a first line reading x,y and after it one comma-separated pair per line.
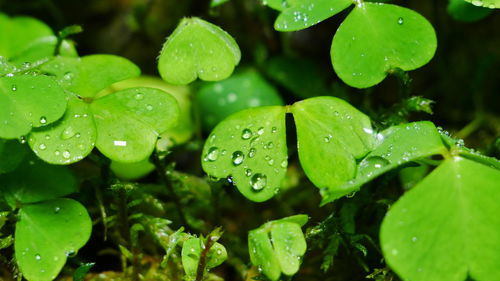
x,y
289,245
279,5
129,122
492,4
132,171
249,146
36,181
396,146
375,38
11,155
191,251
195,49
446,227
464,11
29,101
331,135
245,89
302,14
46,234
262,253
43,49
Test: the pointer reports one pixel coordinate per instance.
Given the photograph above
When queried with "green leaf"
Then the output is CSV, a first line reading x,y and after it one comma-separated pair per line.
x,y
29,101
249,146
82,271
262,253
301,220
70,139
43,49
245,89
129,122
191,251
279,5
36,181
11,154
301,76
88,75
492,4
331,135
195,49
19,32
215,3
46,234
464,11
396,146
375,38
302,14
289,245
132,171
446,227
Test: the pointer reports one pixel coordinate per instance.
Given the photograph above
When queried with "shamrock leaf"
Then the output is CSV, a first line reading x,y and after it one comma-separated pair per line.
x,y
492,4
331,135
396,146
46,234
195,49
191,252
249,146
29,101
446,227
302,14
376,38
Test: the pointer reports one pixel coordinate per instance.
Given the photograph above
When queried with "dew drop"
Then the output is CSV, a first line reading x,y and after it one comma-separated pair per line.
x,y
248,172
70,253
43,120
68,133
328,138
274,130
38,257
66,154
213,154
149,107
14,88
246,134
258,181
251,152
57,209
238,158
42,146
260,131
400,20
284,163
139,96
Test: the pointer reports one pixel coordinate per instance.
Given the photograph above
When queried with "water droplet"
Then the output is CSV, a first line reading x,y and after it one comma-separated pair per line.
x,y
258,181
373,162
414,239
68,133
70,253
57,209
149,107
38,257
248,172
284,163
43,120
400,20
42,146
269,145
251,152
14,88
260,131
238,158
219,252
139,96
22,139
246,134
274,130
68,75
213,153
328,138
66,154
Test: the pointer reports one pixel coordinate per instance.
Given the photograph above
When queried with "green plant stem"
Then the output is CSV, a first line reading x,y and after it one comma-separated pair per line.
x,y
160,168
471,127
200,271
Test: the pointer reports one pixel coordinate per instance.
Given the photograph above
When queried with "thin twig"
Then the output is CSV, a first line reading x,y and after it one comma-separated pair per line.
x,y
200,271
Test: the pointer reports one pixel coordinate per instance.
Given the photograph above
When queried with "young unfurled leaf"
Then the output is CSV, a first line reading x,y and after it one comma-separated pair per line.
x,y
249,146
395,146
245,89
36,181
331,135
191,252
29,101
446,227
375,38
492,4
195,49
302,14
283,254
46,234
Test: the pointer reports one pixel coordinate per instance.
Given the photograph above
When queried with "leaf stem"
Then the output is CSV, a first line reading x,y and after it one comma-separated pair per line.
x,y
200,271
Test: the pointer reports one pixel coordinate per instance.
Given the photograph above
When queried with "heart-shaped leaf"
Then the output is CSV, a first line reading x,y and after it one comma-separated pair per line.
x,y
195,49
249,146
12,154
130,121
29,101
262,253
191,252
302,14
331,135
447,226
46,234
492,4
36,181
396,146
289,245
242,90
375,38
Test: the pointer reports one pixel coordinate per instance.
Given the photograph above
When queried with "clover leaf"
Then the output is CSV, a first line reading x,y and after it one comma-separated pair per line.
x,y
29,101
492,4
46,234
302,14
191,252
242,90
195,49
376,38
12,154
446,227
249,146
395,146
331,135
